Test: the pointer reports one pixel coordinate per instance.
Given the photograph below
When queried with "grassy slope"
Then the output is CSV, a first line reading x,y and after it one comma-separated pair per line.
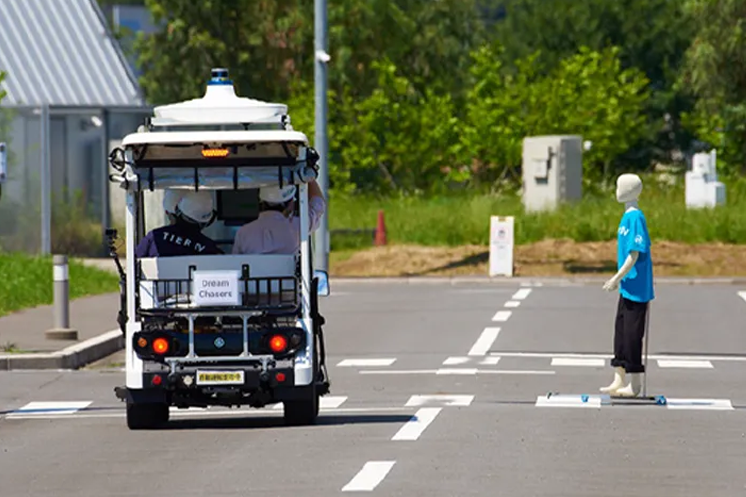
x,y
464,219
26,281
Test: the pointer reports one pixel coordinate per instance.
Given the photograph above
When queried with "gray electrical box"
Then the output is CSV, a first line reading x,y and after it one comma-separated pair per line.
x,y
552,171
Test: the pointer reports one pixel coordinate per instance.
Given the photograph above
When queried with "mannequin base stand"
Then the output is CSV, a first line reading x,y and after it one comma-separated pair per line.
x,y
608,400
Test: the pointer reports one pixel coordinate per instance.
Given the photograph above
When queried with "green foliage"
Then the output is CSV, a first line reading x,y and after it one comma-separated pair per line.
x,y
715,73
3,93
426,96
260,41
75,231
27,281
587,94
652,36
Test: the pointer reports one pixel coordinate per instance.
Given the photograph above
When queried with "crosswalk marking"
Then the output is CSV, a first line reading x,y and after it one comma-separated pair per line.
x,y
58,407
326,402
569,361
676,363
449,400
366,362
452,361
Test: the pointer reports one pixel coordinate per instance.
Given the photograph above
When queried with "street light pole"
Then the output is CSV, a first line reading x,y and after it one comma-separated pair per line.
x,y
321,237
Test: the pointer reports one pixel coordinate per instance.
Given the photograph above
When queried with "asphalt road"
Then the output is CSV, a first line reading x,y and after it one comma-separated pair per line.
x,y
450,401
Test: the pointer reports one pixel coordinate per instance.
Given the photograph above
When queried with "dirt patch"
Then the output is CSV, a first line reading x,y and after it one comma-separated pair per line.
x,y
545,258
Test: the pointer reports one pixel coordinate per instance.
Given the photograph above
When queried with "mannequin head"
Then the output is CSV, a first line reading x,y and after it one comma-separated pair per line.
x,y
628,188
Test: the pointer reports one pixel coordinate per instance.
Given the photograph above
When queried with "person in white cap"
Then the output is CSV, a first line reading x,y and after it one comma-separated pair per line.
x,y
277,229
170,201
193,213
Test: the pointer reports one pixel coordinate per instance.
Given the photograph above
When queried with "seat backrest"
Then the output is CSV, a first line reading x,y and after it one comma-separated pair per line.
x,y
177,268
164,277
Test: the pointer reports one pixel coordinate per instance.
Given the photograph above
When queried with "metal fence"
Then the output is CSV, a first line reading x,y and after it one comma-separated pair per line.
x,y
57,198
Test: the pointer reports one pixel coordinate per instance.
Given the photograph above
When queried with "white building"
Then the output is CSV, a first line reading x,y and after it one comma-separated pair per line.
x,y
70,92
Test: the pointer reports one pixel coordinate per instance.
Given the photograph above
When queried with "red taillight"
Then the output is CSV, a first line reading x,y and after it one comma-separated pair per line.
x,y
157,380
160,346
278,343
280,377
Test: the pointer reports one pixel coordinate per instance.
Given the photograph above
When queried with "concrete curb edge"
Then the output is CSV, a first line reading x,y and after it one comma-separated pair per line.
x,y
72,357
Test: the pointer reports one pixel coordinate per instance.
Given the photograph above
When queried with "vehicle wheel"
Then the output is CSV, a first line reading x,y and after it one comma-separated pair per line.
x,y
144,416
302,412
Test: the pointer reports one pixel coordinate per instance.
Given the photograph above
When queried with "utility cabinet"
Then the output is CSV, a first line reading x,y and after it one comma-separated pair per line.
x,y
702,186
552,171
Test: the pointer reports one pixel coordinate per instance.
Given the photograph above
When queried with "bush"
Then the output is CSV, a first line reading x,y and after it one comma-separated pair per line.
x,y
75,231
27,281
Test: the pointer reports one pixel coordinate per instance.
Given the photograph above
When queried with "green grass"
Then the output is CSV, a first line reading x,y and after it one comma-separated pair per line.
x,y
464,218
26,281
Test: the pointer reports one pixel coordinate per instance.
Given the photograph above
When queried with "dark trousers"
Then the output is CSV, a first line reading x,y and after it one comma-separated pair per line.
x,y
629,330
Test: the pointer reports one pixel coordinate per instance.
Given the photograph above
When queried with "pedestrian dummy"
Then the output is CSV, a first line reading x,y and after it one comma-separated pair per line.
x,y
277,229
193,213
634,279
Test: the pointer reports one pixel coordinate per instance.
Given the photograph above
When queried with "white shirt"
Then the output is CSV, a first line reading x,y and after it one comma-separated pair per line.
x,y
273,233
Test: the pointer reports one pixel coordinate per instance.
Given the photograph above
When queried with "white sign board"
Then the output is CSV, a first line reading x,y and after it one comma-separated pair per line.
x,y
501,246
216,288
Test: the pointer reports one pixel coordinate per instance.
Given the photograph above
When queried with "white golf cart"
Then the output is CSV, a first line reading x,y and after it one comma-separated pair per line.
x,y
218,330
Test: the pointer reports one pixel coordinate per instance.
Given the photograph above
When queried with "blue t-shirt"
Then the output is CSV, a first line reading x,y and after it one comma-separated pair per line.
x,y
632,234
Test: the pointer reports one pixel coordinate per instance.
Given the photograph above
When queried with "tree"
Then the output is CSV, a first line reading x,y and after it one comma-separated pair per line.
x,y
715,73
652,36
268,45
588,94
261,42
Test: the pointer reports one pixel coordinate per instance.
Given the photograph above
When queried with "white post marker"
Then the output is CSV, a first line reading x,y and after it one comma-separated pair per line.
x,y
61,329
501,246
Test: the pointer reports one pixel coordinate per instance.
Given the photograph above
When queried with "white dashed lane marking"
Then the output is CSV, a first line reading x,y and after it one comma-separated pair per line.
x,y
502,316
521,294
484,342
417,425
369,477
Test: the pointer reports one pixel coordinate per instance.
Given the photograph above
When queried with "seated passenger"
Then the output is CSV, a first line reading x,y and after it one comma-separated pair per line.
x,y
277,229
193,213
170,201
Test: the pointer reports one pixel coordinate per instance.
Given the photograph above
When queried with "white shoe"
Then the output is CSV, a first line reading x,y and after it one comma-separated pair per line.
x,y
617,383
633,389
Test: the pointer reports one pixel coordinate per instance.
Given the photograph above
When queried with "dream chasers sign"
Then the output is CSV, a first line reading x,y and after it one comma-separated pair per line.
x,y
216,288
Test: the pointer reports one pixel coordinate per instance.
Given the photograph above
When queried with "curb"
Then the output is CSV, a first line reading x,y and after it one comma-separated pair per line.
x,y
72,357
523,281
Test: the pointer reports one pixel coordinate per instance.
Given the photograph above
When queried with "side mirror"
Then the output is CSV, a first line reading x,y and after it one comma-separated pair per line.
x,y
323,287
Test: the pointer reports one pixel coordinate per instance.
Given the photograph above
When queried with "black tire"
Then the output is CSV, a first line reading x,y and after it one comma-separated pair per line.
x,y
302,412
145,416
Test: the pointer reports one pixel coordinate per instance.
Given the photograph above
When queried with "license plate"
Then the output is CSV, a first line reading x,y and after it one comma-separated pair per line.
x,y
220,378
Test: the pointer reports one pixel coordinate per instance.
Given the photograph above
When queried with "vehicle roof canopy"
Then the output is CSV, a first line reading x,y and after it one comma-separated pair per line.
x,y
208,143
